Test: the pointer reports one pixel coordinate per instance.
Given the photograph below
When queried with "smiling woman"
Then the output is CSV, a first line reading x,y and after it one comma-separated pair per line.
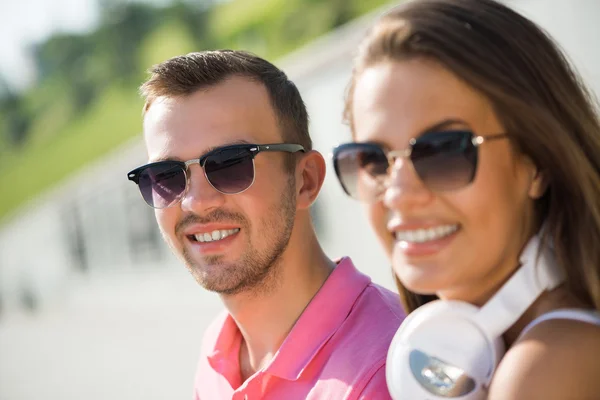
x,y
476,149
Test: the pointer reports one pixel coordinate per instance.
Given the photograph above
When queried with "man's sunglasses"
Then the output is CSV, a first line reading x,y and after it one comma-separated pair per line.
x,y
445,160
229,169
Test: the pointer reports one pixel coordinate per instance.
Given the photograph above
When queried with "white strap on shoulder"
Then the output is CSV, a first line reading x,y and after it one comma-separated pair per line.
x,y
575,314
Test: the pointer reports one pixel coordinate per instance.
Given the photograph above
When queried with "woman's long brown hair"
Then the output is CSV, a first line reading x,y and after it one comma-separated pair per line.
x,y
535,93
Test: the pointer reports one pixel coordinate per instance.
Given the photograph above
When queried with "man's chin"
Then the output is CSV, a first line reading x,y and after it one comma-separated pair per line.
x,y
216,284
223,289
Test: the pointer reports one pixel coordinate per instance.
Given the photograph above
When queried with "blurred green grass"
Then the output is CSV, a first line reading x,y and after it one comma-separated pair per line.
x,y
61,140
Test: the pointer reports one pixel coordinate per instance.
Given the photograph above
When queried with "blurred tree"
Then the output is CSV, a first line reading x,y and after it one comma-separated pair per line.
x,y
196,19
14,121
343,12
64,57
124,26
4,88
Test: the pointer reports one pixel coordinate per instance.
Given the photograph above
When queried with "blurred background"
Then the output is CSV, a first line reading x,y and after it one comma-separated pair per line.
x,y
92,304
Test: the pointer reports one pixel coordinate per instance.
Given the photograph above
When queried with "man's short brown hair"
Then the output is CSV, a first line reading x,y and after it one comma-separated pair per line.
x,y
184,75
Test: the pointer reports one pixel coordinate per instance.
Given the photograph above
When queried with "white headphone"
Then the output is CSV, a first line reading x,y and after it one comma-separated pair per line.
x,y
449,349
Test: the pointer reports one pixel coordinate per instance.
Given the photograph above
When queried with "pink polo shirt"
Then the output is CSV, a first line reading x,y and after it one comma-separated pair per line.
x,y
336,349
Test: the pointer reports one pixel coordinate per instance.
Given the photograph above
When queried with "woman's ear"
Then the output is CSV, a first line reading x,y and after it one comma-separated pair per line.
x,y
310,175
538,183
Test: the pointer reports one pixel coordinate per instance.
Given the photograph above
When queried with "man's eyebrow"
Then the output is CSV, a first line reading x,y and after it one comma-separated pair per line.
x,y
232,143
164,158
208,150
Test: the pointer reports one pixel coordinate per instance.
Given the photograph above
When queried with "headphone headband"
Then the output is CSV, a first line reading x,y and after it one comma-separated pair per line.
x,y
538,272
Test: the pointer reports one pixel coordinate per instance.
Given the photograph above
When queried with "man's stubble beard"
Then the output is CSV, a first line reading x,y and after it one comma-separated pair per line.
x,y
255,272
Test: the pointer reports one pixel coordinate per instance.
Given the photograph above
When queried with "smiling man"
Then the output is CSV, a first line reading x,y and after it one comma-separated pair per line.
x,y
232,176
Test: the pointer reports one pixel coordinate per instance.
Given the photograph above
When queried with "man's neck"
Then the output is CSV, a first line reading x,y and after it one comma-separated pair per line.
x,y
267,315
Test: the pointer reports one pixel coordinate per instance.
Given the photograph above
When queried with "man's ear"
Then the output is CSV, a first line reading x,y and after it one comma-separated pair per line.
x,y
310,175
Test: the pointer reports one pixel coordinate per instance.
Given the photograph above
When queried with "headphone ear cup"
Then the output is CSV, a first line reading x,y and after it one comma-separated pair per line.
x,y
440,352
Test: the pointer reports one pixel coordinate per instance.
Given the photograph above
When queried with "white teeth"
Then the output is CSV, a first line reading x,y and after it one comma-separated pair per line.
x,y
215,235
425,235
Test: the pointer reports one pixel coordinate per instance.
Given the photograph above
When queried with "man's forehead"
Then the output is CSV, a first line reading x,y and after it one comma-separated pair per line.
x,y
168,127
186,127
244,101
192,141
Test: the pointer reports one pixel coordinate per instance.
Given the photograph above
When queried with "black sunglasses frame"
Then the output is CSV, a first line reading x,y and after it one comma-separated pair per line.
x,y
252,149
393,155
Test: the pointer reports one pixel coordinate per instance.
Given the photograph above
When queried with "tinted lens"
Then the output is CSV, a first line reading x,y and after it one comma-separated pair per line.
x,y
361,169
230,171
162,183
445,160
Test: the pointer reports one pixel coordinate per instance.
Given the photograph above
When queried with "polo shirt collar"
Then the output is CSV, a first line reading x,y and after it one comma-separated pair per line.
x,y
320,320
328,309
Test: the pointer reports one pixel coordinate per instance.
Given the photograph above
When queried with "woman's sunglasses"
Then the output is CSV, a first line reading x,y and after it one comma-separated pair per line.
x,y
443,161
229,169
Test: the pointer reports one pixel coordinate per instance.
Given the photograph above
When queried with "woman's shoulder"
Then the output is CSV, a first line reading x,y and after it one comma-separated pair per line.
x,y
558,358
